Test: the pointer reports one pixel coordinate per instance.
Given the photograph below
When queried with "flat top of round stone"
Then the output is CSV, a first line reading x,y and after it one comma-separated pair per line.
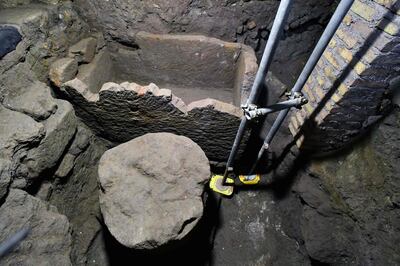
x,y
151,189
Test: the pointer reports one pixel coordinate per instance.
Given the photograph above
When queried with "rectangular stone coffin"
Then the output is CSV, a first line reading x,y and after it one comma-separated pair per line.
x,y
194,67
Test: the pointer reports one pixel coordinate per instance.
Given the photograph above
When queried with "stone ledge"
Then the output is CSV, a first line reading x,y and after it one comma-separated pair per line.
x,y
121,112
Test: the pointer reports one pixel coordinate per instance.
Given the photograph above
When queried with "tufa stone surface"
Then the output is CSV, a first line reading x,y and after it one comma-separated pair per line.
x,y
47,30
49,241
84,50
97,72
351,212
151,189
218,69
76,195
258,229
62,70
122,112
35,101
66,166
18,132
205,68
29,108
60,128
216,18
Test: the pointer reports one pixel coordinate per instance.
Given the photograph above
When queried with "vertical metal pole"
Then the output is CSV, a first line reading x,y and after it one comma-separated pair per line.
x,y
327,35
270,48
9,244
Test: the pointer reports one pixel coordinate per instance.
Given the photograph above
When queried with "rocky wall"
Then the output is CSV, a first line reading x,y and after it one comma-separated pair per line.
x,y
350,213
36,132
247,22
342,210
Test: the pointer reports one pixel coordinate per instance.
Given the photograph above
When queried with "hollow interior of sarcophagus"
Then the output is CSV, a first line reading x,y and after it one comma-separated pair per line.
x,y
192,67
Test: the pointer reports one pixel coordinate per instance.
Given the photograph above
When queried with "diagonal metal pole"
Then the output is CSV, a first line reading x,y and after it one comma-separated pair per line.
x,y
270,48
327,35
9,244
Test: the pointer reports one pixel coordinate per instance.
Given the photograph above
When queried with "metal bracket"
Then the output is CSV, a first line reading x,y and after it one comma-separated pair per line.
x,y
296,99
251,111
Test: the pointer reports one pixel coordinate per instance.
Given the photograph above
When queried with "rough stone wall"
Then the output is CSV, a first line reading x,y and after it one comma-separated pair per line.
x,y
74,192
121,112
243,21
36,131
47,31
17,3
347,88
32,120
351,208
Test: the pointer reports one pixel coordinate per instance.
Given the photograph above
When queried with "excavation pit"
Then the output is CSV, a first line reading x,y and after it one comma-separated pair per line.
x,y
192,67
184,84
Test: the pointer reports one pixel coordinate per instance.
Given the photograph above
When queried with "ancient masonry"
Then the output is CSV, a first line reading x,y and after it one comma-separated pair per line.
x,y
348,85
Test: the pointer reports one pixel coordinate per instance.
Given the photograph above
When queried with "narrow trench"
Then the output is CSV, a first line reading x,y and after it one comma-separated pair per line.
x,y
202,245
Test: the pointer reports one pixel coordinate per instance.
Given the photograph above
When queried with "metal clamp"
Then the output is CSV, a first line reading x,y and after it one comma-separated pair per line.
x,y
296,99
251,111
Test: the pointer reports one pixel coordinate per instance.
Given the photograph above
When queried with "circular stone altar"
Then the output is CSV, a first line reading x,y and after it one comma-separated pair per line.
x,y
151,189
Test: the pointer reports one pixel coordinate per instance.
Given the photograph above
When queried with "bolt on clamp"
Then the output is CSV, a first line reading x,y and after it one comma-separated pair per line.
x,y
251,111
296,99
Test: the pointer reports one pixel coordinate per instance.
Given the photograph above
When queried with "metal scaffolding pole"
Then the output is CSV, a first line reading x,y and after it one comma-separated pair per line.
x,y
277,28
323,42
9,244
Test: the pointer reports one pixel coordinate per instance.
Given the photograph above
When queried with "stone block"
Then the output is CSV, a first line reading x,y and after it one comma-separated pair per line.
x,y
309,94
84,50
62,70
370,55
392,5
332,43
49,238
165,180
385,42
66,166
97,72
319,92
300,118
294,123
18,133
309,108
292,129
60,128
120,113
205,67
342,89
34,100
